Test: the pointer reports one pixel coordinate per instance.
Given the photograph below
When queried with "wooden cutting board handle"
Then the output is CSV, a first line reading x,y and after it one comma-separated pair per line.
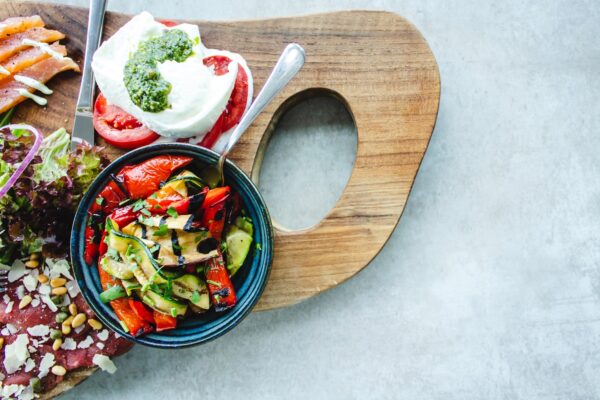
x,y
376,63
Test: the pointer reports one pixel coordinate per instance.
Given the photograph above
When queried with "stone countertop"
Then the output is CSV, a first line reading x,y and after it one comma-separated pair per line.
x,y
489,286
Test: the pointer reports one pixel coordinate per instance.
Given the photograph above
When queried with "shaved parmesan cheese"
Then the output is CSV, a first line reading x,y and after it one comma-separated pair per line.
x,y
9,391
72,288
32,349
20,292
35,302
69,344
45,365
49,303
12,329
105,363
29,365
9,307
17,271
87,342
27,393
39,330
6,299
30,282
15,354
103,334
59,267
100,345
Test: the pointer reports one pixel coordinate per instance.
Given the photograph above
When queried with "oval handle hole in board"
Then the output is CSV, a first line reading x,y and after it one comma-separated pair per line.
x,y
308,159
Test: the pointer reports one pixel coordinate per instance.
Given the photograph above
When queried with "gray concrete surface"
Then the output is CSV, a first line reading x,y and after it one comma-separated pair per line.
x,y
489,287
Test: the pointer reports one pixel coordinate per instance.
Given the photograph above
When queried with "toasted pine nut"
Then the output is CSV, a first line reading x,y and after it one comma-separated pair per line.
x,y
42,278
66,329
78,320
73,309
58,370
25,302
1,342
59,291
68,321
32,264
95,324
57,343
57,282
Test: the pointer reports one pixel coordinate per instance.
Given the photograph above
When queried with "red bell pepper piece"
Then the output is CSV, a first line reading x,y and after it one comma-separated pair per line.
x,y
164,322
141,310
219,284
213,216
92,233
216,195
143,179
123,216
136,325
186,205
103,247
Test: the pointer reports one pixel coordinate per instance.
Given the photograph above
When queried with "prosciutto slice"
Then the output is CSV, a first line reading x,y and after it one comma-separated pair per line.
x,y
14,43
42,72
27,58
14,25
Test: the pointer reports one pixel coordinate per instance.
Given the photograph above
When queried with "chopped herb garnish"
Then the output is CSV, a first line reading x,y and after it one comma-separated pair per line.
x,y
112,293
148,300
173,312
172,212
161,231
195,297
258,246
217,298
176,247
124,326
99,200
154,248
146,212
214,283
138,205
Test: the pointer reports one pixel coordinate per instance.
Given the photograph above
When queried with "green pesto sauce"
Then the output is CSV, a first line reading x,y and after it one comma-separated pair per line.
x,y
147,88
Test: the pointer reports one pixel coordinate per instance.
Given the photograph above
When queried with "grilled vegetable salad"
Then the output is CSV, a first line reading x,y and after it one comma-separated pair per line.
x,y
166,243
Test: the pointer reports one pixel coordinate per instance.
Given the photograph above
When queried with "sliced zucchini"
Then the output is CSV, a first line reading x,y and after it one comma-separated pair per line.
x,y
131,247
190,180
117,269
191,288
131,285
238,240
163,304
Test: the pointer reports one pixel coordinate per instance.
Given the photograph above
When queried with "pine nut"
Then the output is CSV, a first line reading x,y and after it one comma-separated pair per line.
x,y
57,343
43,278
59,291
57,282
32,264
1,342
68,321
78,320
73,309
59,370
95,324
66,329
34,257
25,302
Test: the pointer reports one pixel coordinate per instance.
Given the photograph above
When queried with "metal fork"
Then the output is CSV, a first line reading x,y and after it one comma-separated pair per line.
x,y
83,128
3,280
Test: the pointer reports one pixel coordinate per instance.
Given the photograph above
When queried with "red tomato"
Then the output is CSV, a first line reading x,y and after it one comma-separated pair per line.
x,y
235,106
119,128
168,23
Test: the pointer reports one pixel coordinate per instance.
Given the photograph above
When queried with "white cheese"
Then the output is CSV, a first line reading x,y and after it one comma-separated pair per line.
x,y
32,83
87,342
100,345
45,364
12,329
39,330
30,282
72,288
29,365
17,271
69,344
105,363
20,292
103,334
32,349
27,393
9,391
46,299
6,299
9,307
79,329
59,267
35,302
16,353
45,290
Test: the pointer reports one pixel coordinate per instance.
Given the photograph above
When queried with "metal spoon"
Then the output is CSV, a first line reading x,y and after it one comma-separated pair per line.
x,y
289,64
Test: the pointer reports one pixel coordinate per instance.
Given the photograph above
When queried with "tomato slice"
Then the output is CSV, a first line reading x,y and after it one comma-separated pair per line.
x,y
118,128
235,106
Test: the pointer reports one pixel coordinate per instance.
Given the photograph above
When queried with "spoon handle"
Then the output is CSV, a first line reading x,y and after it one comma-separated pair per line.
x,y
289,64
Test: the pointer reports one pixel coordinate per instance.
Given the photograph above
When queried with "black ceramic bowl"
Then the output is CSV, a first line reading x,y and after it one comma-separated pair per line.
x,y
249,281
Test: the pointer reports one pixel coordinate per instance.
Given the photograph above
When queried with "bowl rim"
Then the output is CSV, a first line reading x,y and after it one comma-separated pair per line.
x,y
231,317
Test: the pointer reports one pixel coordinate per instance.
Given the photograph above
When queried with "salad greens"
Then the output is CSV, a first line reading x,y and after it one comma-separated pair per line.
x,y
37,212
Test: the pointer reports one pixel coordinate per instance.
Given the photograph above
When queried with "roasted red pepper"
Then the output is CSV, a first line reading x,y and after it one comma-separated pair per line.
x,y
143,179
187,205
141,310
164,322
136,325
123,216
219,284
213,216
93,233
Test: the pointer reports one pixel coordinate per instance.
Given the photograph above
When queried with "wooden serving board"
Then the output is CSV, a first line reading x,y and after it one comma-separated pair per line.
x,y
376,63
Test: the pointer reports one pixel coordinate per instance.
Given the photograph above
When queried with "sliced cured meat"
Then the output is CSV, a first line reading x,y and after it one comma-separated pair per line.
x,y
14,25
42,72
27,58
14,43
